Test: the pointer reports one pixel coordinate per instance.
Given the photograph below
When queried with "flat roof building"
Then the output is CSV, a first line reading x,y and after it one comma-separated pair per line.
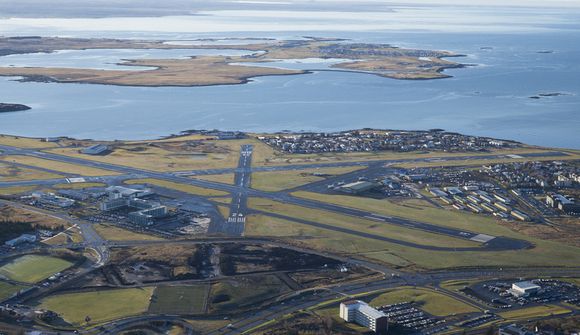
x,y
97,149
24,238
362,314
524,289
358,187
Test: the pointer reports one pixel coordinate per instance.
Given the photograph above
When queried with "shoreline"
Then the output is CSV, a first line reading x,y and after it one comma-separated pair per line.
x,y
11,107
384,60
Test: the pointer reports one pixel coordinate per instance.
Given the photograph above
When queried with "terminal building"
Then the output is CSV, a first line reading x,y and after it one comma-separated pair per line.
x,y
145,211
362,314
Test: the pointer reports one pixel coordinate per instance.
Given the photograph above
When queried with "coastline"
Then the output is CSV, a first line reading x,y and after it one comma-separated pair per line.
x,y
384,60
10,107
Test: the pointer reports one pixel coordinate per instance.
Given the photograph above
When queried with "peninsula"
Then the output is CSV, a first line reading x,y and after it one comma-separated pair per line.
x,y
377,59
4,108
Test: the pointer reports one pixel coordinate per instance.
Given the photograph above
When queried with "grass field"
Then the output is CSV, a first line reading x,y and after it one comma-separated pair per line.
x,y
533,312
430,301
24,142
77,186
359,224
222,200
226,178
278,158
235,294
545,253
33,268
179,187
456,285
273,181
112,233
179,300
427,213
100,306
58,166
11,172
8,289
16,190
166,156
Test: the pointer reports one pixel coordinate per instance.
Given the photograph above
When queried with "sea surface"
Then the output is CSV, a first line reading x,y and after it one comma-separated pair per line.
x,y
490,97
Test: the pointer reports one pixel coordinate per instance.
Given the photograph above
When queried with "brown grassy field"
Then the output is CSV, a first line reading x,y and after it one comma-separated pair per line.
x,y
202,71
383,60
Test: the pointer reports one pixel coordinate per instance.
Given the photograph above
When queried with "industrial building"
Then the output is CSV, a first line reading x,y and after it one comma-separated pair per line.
x,y
562,203
362,314
51,199
524,289
359,187
126,192
97,149
520,216
24,238
514,329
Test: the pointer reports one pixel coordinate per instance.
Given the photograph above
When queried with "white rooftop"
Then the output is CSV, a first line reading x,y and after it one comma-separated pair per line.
x,y
369,311
526,285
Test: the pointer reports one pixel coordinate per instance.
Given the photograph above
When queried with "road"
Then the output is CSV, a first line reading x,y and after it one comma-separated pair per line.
x,y
235,223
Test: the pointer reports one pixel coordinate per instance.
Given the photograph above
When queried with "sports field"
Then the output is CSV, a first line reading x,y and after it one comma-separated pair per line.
x,y
8,289
179,299
33,268
100,306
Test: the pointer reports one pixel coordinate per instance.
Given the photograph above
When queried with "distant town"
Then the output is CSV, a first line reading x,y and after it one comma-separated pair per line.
x,y
375,140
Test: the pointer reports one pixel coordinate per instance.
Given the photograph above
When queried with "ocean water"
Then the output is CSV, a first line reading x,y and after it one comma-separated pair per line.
x,y
490,98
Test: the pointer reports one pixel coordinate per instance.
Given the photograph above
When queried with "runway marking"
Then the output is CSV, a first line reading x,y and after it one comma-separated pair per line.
x,y
483,238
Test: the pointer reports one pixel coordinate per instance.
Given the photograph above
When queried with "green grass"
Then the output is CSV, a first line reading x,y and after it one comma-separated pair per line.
x,y
533,312
176,186
544,253
112,233
427,213
235,294
456,285
76,186
429,300
273,181
100,306
225,178
8,289
15,190
58,166
33,268
360,224
178,300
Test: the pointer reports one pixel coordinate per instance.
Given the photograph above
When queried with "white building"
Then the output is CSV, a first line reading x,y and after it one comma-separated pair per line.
x,y
524,289
362,314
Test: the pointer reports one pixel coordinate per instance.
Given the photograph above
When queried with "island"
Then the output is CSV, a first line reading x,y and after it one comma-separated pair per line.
x,y
377,59
4,107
